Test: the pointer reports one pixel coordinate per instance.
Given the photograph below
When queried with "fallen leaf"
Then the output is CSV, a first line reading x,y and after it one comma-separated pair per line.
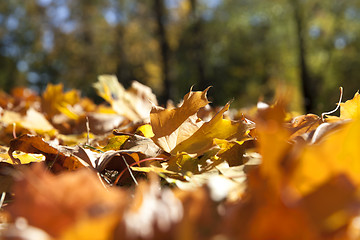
x,y
134,103
63,204
330,206
217,127
6,177
172,126
339,154
55,101
304,124
350,109
230,151
57,160
152,214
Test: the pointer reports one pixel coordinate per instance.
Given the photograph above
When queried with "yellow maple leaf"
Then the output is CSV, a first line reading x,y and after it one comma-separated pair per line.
x,y
351,108
217,127
134,103
337,154
54,101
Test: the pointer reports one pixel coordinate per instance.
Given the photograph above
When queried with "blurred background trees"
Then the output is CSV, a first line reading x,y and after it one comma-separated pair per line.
x,y
244,49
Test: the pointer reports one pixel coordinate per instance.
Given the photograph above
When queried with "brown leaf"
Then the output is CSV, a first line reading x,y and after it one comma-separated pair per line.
x,y
331,205
6,177
304,124
59,201
57,160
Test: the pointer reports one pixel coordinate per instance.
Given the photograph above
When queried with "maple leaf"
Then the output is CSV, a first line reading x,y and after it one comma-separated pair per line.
x,y
217,127
6,180
339,154
330,205
134,103
230,151
351,108
57,160
303,125
33,121
172,126
54,101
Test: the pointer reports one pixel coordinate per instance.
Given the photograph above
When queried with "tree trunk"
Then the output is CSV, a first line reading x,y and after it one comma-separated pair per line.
x,y
198,45
159,12
123,69
308,87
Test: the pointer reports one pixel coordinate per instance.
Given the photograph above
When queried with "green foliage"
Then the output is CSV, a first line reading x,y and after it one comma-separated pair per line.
x,y
245,49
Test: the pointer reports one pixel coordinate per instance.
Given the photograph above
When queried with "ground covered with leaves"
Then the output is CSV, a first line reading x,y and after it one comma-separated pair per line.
x,y
130,169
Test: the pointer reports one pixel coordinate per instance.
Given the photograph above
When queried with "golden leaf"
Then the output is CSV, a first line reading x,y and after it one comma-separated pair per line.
x,y
217,127
337,154
172,126
134,103
54,101
351,108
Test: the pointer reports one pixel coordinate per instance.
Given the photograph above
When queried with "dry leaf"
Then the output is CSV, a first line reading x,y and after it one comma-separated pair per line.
x,y
339,154
172,126
134,103
217,127
62,202
57,160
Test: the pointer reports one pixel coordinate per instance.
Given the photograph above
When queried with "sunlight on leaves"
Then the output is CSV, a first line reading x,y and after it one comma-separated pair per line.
x,y
172,126
351,108
217,127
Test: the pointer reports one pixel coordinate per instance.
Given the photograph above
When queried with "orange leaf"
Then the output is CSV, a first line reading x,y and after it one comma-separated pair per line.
x,y
60,201
53,157
338,153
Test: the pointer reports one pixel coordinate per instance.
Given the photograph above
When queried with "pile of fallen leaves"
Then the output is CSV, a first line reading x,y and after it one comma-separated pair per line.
x,y
129,169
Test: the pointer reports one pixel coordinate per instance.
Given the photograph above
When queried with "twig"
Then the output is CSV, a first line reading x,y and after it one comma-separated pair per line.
x,y
101,181
131,174
88,131
2,199
53,162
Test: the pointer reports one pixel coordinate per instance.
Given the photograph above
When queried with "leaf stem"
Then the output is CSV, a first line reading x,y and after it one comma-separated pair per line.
x,y
337,107
87,131
131,174
14,130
